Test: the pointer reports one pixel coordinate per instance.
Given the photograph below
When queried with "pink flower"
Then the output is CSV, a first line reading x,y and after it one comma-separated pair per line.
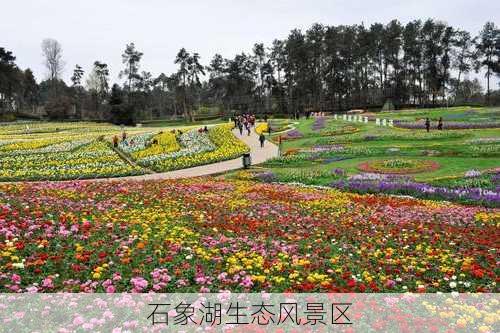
x,y
246,282
390,283
47,283
139,284
15,278
110,289
78,320
32,289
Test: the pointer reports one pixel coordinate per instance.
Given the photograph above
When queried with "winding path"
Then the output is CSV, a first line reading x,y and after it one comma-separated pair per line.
x,y
258,155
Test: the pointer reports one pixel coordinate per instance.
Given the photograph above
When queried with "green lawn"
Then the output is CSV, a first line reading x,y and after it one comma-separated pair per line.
x,y
456,151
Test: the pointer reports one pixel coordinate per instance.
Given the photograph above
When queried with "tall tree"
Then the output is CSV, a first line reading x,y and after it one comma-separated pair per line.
x,y
77,76
131,57
463,56
9,79
98,82
31,90
182,59
52,52
488,52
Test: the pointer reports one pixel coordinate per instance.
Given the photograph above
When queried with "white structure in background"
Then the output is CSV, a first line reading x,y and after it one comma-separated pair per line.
x,y
335,116
366,120
391,123
344,117
377,121
384,122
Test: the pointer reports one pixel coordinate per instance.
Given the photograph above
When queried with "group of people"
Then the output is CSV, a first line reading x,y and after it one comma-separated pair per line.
x,y
203,130
124,138
246,121
428,124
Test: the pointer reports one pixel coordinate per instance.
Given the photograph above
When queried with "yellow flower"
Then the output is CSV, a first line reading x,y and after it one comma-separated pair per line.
x,y
259,278
484,329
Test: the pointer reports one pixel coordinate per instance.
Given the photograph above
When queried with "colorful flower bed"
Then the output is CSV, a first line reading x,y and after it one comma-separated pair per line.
x,y
398,166
377,183
209,235
135,143
92,160
219,144
165,143
447,125
63,146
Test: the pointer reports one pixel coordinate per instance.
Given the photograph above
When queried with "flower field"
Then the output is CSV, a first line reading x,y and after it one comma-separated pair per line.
x,y
64,151
219,144
59,151
209,235
92,160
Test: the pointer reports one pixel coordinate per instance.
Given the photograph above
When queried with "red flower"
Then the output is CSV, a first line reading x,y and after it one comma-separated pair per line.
x,y
102,255
76,268
478,273
351,283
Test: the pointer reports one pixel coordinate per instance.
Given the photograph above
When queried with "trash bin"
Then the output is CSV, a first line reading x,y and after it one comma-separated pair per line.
x,y
247,160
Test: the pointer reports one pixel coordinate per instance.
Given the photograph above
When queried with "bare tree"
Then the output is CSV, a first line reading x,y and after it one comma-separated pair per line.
x,y
52,51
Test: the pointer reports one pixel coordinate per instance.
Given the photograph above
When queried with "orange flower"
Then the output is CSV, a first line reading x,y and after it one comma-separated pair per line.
x,y
125,260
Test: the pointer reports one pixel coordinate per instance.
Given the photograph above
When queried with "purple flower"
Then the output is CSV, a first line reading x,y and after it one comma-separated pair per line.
x,y
489,198
319,124
266,177
293,134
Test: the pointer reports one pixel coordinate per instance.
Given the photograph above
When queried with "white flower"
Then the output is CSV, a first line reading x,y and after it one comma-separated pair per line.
x,y
453,284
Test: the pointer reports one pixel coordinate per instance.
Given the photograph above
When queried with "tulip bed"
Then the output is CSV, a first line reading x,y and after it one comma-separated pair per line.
x,y
209,234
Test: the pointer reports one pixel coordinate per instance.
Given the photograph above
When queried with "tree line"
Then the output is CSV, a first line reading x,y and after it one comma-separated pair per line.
x,y
325,68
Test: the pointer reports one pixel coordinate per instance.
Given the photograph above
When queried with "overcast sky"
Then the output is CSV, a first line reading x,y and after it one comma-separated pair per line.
x,y
92,30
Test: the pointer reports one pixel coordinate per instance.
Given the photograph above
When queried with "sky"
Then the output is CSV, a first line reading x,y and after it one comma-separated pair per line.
x,y
91,30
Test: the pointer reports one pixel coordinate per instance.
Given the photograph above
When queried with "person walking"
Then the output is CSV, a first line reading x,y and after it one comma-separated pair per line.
x,y
262,138
427,124
115,141
240,127
440,124
248,128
